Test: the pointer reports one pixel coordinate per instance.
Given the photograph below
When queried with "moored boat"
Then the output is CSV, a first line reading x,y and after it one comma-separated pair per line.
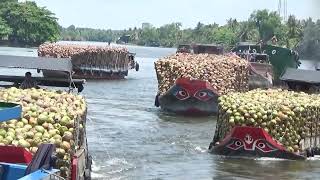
x,y
261,70
280,58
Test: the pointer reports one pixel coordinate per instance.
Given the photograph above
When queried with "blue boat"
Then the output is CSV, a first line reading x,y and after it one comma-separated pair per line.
x,y
18,164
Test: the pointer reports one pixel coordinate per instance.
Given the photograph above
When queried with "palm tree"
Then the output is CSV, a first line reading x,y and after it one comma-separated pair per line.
x,y
294,31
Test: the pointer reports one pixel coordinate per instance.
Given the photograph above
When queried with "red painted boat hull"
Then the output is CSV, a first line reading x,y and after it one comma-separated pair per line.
x,y
251,142
189,97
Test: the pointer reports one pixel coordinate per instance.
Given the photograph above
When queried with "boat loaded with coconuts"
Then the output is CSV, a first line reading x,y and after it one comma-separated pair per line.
x,y
274,123
90,62
43,134
280,58
191,81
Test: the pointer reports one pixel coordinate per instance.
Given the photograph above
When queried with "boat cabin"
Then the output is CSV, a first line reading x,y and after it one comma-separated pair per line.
x,y
200,49
60,65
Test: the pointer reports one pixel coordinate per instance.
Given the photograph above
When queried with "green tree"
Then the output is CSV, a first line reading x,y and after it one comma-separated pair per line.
x,y
310,44
30,24
5,30
170,34
266,22
294,32
148,36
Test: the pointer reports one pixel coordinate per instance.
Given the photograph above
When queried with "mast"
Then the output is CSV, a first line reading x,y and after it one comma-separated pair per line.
x,y
283,9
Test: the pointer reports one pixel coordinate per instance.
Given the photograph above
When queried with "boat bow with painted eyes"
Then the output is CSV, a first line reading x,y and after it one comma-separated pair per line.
x,y
244,141
189,97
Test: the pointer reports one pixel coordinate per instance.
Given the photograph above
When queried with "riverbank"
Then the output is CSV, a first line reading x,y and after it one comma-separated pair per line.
x,y
7,43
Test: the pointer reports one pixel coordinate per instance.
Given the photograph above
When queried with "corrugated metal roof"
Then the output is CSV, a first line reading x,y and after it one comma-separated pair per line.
x,y
42,63
301,75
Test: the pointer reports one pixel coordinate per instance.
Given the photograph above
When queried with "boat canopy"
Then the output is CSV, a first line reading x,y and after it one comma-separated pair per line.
x,y
301,76
41,63
63,65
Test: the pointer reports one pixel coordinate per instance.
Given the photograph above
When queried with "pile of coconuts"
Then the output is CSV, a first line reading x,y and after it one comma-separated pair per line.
x,y
226,73
102,57
288,116
48,117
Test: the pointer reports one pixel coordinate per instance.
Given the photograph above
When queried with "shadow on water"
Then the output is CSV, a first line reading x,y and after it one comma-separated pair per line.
x,y
174,118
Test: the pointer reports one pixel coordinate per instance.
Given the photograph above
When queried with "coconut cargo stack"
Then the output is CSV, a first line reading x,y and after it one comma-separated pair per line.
x,y
290,118
190,84
225,73
48,117
91,61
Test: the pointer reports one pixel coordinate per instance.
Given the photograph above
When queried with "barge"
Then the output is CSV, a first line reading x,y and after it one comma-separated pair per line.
x,y
44,136
194,96
91,62
287,128
280,58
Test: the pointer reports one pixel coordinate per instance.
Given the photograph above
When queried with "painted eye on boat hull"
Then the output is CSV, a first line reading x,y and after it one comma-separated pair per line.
x,y
204,95
182,94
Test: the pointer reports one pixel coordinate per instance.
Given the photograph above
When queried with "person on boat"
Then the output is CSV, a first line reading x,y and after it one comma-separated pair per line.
x,y
28,82
274,40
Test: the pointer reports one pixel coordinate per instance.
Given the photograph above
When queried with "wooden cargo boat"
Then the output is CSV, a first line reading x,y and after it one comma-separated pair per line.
x,y
191,97
197,97
280,58
90,62
17,163
247,141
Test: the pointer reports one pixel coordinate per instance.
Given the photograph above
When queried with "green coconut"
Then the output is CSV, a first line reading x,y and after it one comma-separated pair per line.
x,y
9,139
42,118
38,134
25,121
63,129
65,121
24,143
40,129
3,132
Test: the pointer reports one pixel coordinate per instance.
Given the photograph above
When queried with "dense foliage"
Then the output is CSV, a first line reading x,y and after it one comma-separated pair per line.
x,y
262,25
87,34
309,46
26,23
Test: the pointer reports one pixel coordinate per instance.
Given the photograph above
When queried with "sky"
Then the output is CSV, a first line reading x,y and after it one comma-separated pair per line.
x,y
122,14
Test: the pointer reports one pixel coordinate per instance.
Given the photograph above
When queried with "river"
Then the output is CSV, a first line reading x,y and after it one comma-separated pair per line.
x,y
129,138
